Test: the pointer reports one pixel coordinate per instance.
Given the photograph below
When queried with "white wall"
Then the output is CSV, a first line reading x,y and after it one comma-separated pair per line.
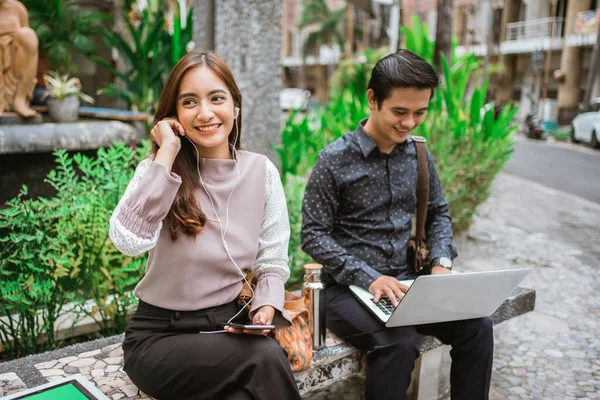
x,y
538,9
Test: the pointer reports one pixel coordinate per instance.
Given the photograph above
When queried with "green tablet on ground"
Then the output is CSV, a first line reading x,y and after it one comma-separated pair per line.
x,y
75,387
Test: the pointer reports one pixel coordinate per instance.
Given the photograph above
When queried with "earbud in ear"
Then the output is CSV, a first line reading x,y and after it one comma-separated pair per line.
x,y
237,112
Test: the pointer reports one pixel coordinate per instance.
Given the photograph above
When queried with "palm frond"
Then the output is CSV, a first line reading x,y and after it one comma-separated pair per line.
x,y
313,11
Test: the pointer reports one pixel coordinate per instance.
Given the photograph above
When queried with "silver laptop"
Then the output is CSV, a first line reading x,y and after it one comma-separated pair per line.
x,y
446,297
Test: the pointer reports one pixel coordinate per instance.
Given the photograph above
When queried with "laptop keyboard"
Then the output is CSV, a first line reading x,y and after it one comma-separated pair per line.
x,y
385,305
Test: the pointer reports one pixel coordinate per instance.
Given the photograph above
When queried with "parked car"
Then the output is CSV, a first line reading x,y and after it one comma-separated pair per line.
x,y
294,99
586,126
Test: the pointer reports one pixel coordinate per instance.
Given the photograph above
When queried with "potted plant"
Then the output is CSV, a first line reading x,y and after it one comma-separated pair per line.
x,y
64,93
64,27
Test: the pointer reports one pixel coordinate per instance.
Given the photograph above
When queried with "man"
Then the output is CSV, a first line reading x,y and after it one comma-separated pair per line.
x,y
18,59
357,212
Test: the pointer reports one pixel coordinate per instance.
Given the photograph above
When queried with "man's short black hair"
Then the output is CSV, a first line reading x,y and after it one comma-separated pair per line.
x,y
401,69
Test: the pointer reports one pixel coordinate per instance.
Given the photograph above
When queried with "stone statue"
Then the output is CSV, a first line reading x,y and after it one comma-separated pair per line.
x,y
18,59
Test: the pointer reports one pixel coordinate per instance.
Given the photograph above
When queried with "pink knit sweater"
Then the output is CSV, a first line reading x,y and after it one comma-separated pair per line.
x,y
195,273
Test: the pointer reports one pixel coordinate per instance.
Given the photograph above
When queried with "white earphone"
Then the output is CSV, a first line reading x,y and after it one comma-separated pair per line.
x,y
224,231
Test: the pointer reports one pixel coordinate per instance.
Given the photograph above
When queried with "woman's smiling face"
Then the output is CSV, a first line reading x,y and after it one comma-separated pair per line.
x,y
205,108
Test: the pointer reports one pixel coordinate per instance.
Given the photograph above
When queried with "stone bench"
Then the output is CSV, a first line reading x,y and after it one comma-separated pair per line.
x,y
101,361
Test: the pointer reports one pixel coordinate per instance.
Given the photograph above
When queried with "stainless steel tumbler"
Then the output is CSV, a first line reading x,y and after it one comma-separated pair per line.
x,y
312,294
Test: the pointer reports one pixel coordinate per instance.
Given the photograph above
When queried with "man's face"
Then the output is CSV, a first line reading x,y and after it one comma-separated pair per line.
x,y
399,114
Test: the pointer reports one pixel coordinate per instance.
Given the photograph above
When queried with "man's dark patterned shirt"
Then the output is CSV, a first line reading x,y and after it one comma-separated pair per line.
x,y
358,209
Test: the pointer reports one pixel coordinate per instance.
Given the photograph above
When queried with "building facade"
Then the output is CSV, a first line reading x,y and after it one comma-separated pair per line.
x,y
360,23
542,49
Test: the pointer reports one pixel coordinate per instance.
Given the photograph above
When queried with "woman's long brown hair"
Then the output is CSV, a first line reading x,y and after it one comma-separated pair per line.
x,y
185,214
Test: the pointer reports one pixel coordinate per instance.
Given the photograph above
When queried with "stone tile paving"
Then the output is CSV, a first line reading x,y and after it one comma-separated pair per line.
x,y
103,366
100,361
10,383
551,353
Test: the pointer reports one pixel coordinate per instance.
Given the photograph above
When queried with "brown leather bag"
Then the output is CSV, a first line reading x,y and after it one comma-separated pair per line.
x,y
295,339
418,253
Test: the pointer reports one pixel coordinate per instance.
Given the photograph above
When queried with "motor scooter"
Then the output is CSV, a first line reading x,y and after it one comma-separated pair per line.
x,y
532,128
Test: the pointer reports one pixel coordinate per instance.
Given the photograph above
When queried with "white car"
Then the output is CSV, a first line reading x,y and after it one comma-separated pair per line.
x,y
294,99
586,126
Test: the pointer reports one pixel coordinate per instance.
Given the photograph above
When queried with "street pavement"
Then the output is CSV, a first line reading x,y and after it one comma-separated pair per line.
x,y
553,352
564,166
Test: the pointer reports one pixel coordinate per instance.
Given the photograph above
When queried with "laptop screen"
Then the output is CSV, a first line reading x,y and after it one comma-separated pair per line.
x,y
71,390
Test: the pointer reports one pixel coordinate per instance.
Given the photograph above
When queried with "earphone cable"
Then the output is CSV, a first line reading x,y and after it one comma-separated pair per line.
x,y
224,232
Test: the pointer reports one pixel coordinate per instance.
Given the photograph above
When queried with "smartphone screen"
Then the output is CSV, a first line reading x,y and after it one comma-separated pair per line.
x,y
249,326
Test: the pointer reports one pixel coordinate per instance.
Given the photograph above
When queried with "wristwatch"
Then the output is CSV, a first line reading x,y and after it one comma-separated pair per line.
x,y
442,262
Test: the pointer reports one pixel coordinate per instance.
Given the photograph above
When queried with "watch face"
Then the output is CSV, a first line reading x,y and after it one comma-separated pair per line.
x,y
445,262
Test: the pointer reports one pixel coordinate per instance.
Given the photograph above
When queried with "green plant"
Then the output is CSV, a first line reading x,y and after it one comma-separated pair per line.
x,y
560,135
469,143
294,193
92,187
330,25
144,77
30,294
178,19
299,148
63,26
60,86
55,250
154,46
304,135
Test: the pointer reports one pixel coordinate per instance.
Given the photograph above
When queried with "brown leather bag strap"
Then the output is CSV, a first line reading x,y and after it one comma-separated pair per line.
x,y
422,188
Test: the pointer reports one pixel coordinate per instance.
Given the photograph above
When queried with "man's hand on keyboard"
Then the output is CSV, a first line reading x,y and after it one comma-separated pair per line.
x,y
388,286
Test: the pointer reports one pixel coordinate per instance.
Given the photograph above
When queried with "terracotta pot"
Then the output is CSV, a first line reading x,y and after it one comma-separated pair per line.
x,y
66,110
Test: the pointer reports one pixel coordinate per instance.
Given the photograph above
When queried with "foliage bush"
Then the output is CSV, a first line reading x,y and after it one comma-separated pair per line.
x,y
31,299
294,192
305,134
63,26
57,250
468,142
150,53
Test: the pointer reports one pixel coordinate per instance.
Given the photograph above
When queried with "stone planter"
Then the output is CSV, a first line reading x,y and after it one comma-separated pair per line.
x,y
66,110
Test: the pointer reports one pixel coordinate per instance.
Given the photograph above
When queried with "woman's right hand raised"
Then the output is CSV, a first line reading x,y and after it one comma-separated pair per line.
x,y
166,135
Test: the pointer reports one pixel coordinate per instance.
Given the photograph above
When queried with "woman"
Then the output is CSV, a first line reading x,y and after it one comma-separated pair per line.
x,y
207,213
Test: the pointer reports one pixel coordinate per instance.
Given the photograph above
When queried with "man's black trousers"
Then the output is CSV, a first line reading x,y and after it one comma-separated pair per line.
x,y
391,352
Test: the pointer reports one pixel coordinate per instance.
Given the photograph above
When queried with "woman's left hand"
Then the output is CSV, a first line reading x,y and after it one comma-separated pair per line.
x,y
263,316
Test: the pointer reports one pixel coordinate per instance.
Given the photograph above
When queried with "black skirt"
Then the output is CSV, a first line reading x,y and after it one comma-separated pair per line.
x,y
167,358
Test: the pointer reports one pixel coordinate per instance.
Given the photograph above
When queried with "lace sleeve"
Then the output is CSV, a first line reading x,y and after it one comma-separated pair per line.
x,y
137,220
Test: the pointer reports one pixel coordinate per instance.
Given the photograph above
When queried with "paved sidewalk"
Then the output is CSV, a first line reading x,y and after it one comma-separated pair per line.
x,y
100,361
553,352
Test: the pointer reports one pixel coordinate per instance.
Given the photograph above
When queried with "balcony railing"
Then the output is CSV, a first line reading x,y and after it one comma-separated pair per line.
x,y
535,29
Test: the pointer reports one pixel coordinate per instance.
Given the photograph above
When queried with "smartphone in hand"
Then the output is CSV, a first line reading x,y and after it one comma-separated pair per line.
x,y
249,327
